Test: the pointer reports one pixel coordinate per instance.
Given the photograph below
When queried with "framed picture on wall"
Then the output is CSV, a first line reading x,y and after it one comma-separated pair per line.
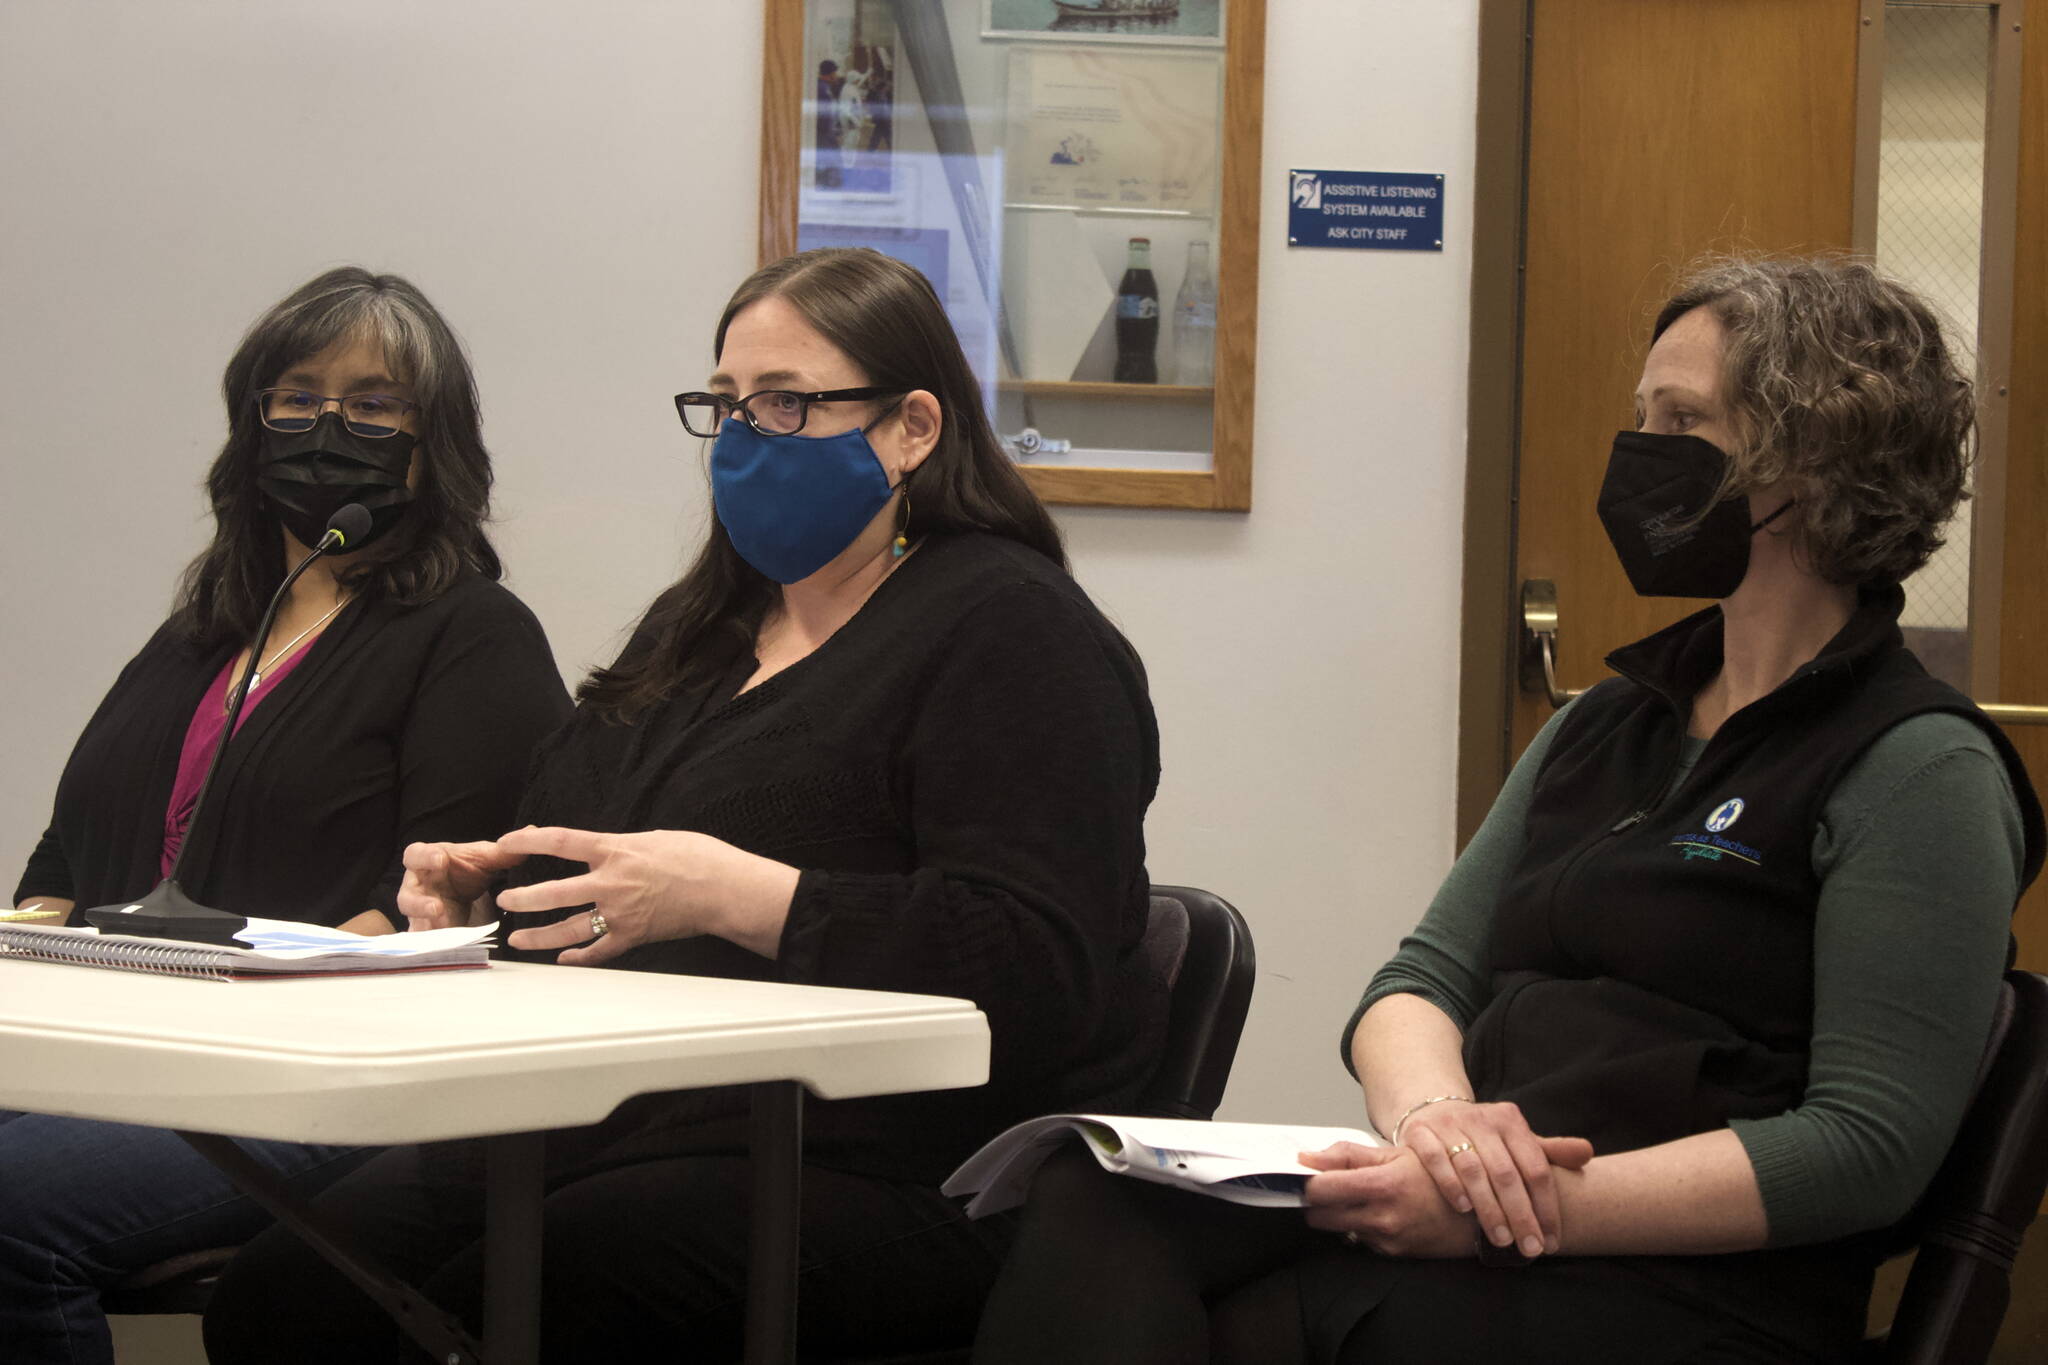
x,y
850,46
1087,214
1106,21
1134,131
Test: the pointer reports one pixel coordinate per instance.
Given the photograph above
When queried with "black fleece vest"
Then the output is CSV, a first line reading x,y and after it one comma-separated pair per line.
x,y
1652,953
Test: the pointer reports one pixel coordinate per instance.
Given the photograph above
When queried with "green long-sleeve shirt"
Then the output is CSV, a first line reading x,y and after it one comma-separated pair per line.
x,y
1918,854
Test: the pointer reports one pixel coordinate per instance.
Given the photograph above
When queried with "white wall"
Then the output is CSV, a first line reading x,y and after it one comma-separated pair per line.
x,y
570,183
1304,656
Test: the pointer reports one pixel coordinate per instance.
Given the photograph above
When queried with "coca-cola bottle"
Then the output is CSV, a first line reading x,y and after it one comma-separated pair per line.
x,y
1137,318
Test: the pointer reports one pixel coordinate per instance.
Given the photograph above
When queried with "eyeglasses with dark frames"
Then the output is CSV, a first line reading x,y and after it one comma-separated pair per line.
x,y
366,414
772,412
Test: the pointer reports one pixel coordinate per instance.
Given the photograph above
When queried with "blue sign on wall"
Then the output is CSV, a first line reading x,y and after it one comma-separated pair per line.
x,y
1376,210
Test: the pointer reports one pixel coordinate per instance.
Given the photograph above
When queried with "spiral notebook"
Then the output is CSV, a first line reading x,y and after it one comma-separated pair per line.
x,y
305,951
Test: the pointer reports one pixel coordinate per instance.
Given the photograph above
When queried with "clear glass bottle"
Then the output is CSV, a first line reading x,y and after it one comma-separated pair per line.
x,y
1194,320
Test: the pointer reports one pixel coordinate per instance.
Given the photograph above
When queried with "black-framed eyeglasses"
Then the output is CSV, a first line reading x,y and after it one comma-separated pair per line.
x,y
772,412
365,414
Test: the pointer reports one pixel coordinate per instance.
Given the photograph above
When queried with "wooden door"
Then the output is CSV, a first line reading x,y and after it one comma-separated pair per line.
x,y
2023,601
1656,132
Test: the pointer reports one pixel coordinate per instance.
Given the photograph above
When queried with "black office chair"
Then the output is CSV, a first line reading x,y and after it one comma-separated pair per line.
x,y
1195,942
1967,1228
176,1284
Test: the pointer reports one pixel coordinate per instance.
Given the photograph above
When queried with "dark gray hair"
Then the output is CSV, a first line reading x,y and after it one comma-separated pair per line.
x,y
1838,379
224,590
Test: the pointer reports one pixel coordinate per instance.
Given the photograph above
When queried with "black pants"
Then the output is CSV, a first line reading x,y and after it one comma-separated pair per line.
x,y
640,1262
1108,1270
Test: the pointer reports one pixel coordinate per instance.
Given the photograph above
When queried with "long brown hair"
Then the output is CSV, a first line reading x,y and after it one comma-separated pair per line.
x,y
223,592
885,317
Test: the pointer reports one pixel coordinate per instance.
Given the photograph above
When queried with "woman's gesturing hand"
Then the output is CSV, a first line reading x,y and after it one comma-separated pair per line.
x,y
1486,1162
444,882
1384,1198
649,886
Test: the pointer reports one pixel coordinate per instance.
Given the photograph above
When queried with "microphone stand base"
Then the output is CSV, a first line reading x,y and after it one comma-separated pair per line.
x,y
167,912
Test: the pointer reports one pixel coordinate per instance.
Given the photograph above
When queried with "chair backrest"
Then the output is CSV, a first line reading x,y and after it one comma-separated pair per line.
x,y
1983,1198
180,1284
1199,945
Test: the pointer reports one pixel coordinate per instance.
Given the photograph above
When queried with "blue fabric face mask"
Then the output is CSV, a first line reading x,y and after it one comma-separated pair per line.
x,y
791,503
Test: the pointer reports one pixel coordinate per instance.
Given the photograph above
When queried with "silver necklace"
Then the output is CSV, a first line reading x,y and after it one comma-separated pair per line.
x,y
256,678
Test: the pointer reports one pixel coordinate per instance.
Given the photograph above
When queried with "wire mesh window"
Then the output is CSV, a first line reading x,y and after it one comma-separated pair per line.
x,y
1930,227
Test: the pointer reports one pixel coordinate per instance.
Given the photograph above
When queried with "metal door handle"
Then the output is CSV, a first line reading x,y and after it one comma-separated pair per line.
x,y
1539,658
1539,641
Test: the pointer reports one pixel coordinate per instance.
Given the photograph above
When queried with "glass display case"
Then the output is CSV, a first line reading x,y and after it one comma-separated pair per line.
x,y
1079,180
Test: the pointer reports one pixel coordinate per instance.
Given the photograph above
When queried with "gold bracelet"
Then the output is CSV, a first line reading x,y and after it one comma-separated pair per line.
x,y
1395,1140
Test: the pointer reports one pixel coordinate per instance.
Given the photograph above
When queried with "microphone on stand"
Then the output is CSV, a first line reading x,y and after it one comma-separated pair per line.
x,y
167,912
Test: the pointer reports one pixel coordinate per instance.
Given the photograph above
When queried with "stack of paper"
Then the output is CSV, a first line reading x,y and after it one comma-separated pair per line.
x,y
1245,1163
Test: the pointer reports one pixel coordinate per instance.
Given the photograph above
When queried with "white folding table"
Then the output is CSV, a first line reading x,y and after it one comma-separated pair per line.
x,y
501,1054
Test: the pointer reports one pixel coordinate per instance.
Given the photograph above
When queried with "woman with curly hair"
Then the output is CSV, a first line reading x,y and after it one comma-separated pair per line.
x,y
1696,1013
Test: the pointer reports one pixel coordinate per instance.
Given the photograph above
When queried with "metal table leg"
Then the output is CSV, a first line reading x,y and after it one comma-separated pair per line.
x,y
439,1334
512,1223
777,1144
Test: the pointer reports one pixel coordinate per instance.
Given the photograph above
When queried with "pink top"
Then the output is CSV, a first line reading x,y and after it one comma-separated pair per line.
x,y
200,738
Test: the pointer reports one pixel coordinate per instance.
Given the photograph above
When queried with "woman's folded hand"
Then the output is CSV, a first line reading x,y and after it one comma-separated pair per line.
x,y
1486,1161
1386,1199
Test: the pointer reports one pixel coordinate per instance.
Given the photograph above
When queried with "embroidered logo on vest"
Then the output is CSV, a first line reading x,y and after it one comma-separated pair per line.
x,y
1711,844
1715,847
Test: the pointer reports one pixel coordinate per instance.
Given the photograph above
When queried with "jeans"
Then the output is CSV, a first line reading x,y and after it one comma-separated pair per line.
x,y
83,1205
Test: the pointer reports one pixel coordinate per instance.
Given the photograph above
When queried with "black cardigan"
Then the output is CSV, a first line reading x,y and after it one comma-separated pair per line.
x,y
961,773
401,723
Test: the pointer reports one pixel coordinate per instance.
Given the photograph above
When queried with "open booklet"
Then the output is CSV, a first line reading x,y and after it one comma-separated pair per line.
x,y
1246,1163
277,948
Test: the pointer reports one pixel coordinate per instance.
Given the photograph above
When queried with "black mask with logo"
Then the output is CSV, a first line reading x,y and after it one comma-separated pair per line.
x,y
1658,505
310,475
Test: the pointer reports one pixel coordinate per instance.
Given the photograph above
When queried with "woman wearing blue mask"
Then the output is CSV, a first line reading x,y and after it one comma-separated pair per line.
x,y
875,737
1697,1010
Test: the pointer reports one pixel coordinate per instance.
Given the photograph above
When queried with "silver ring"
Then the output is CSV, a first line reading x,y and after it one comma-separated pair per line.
x,y
598,929
1353,1238
1458,1150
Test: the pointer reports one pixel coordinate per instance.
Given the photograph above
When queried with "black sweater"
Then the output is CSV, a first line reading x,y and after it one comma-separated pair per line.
x,y
401,723
961,773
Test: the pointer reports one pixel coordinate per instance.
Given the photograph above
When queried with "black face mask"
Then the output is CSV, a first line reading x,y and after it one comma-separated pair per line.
x,y
1651,502
312,474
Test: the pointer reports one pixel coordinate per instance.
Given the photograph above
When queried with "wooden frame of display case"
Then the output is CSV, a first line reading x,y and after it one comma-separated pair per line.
x,y
1227,483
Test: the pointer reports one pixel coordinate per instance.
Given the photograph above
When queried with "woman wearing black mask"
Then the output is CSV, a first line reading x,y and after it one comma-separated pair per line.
x,y
1700,1003
399,697
875,737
